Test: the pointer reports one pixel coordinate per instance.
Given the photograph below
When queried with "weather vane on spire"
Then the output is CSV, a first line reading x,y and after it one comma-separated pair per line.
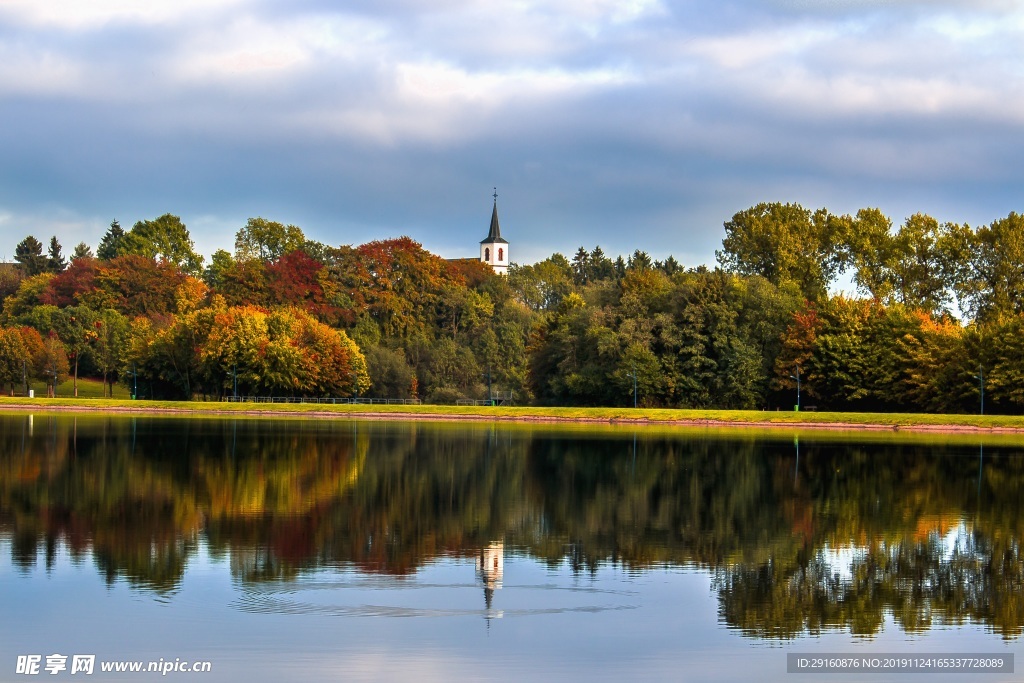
x,y
495,194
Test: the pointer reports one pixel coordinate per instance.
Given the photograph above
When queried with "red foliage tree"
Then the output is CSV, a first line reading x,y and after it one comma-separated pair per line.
x,y
71,286
140,285
296,279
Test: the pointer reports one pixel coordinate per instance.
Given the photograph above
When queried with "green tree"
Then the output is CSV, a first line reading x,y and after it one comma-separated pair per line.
x,y
581,269
14,358
82,250
392,376
267,240
601,267
111,346
164,238
76,328
640,260
221,264
998,269
871,248
786,243
112,244
542,285
55,262
917,264
29,254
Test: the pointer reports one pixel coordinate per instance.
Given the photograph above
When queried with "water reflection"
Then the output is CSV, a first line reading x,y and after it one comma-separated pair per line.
x,y
490,567
800,536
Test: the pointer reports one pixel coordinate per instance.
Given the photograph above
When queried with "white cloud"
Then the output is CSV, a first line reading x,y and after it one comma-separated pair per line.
x,y
749,49
727,96
436,102
92,14
24,72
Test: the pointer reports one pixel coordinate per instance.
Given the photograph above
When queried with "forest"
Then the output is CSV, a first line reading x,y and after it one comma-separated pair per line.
x,y
932,321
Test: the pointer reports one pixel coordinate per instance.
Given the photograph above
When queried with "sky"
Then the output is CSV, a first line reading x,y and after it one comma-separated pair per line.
x,y
633,124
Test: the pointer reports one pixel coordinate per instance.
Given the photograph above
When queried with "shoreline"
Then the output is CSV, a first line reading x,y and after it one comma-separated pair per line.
x,y
885,422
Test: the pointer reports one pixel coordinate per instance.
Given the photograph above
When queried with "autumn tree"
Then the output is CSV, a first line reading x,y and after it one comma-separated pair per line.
x,y
52,363
31,292
283,351
10,279
296,279
137,285
75,285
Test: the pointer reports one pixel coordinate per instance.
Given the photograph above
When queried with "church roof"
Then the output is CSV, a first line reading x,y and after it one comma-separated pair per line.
x,y
494,236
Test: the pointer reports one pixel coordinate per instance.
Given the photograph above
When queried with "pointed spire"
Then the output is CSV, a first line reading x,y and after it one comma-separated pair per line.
x,y
494,236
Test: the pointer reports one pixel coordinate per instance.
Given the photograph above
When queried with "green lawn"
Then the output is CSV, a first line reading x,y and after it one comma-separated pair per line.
x,y
87,388
91,389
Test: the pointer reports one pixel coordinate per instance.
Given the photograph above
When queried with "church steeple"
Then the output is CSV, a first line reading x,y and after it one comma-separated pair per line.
x,y
494,248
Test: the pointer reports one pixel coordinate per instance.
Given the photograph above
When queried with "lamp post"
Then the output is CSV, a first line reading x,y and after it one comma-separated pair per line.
x,y
981,383
797,378
490,394
135,377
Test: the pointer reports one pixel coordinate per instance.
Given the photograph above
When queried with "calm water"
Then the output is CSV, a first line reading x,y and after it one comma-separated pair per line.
x,y
314,550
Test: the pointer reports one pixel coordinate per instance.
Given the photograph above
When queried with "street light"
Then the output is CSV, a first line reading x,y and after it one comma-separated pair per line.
x,y
981,382
797,378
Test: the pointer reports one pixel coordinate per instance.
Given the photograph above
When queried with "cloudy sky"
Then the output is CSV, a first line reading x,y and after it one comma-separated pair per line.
x,y
626,123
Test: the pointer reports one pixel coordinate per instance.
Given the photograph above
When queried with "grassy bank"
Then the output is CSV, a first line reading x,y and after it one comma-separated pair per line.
x,y
626,415
87,388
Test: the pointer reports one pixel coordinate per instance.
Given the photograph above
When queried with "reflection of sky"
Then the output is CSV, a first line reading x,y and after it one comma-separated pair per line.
x,y
840,559
653,625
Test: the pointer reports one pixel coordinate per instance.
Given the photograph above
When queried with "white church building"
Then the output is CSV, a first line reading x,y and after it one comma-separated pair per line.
x,y
494,248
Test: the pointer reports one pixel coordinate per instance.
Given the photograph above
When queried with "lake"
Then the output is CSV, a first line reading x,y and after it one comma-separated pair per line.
x,y
300,549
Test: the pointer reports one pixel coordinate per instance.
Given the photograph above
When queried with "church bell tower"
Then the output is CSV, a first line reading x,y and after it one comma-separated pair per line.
x,y
494,249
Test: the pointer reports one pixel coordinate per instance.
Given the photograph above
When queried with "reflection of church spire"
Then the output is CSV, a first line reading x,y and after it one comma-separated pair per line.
x,y
490,567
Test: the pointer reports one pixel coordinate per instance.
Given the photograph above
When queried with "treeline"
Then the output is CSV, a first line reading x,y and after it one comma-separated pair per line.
x,y
282,315
936,315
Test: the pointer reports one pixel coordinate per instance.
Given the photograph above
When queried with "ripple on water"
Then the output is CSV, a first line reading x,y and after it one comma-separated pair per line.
x,y
311,598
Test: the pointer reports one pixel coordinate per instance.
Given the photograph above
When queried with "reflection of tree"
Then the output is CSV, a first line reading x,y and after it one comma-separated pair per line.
x,y
920,584
836,540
